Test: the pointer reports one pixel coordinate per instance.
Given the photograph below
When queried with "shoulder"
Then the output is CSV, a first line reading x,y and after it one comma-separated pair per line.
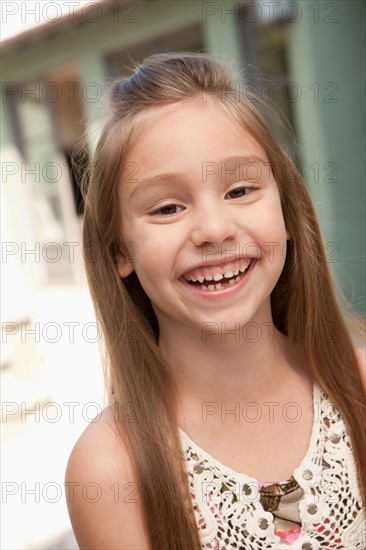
x,y
101,492
361,356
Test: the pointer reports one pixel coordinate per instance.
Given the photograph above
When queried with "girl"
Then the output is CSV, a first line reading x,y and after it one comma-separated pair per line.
x,y
237,412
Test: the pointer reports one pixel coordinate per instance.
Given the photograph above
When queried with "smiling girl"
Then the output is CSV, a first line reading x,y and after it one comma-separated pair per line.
x,y
237,398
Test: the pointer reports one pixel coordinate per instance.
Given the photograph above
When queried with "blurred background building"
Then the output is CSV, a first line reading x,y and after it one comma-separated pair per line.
x,y
311,56
308,57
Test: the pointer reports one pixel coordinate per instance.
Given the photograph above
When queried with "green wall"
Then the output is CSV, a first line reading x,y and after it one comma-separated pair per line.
x,y
327,53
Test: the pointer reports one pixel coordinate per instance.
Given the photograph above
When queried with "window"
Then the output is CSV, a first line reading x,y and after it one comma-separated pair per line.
x,y
263,34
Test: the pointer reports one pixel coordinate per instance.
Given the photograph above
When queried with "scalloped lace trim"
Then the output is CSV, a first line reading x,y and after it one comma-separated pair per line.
x,y
229,513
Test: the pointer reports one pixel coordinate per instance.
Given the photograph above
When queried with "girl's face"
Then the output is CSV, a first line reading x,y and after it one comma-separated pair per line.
x,y
198,200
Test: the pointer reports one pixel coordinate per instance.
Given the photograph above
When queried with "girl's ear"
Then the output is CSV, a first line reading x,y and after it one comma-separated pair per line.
x,y
124,267
288,236
123,257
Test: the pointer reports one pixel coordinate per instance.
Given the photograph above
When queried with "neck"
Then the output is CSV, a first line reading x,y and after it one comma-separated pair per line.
x,y
232,365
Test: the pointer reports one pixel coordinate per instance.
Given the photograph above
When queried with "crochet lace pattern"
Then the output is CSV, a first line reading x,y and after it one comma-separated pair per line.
x,y
227,505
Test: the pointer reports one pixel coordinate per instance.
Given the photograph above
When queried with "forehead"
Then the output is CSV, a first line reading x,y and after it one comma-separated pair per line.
x,y
184,135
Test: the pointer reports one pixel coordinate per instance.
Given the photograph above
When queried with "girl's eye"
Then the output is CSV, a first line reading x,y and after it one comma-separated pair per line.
x,y
167,210
239,191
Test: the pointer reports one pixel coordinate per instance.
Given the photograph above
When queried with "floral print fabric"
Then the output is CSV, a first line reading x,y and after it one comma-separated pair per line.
x,y
281,499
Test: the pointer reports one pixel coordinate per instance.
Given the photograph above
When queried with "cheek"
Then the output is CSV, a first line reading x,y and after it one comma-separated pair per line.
x,y
267,221
273,217
155,253
154,244
161,238
270,232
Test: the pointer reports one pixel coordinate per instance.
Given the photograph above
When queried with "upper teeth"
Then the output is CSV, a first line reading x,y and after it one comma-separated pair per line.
x,y
219,276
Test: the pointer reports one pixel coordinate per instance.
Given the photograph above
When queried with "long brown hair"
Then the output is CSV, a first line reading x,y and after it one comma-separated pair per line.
x,y
304,301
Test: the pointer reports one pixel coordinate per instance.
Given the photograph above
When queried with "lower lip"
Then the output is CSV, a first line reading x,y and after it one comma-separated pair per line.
x,y
222,293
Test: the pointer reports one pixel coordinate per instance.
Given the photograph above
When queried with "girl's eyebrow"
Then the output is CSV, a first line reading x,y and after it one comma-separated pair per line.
x,y
161,180
208,169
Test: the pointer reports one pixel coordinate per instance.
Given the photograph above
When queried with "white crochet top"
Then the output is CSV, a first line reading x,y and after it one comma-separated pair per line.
x,y
230,514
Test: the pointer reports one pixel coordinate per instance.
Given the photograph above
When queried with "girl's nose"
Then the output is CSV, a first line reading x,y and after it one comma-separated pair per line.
x,y
213,225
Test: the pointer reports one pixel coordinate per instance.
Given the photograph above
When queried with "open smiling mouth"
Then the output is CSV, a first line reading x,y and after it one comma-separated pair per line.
x,y
220,281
